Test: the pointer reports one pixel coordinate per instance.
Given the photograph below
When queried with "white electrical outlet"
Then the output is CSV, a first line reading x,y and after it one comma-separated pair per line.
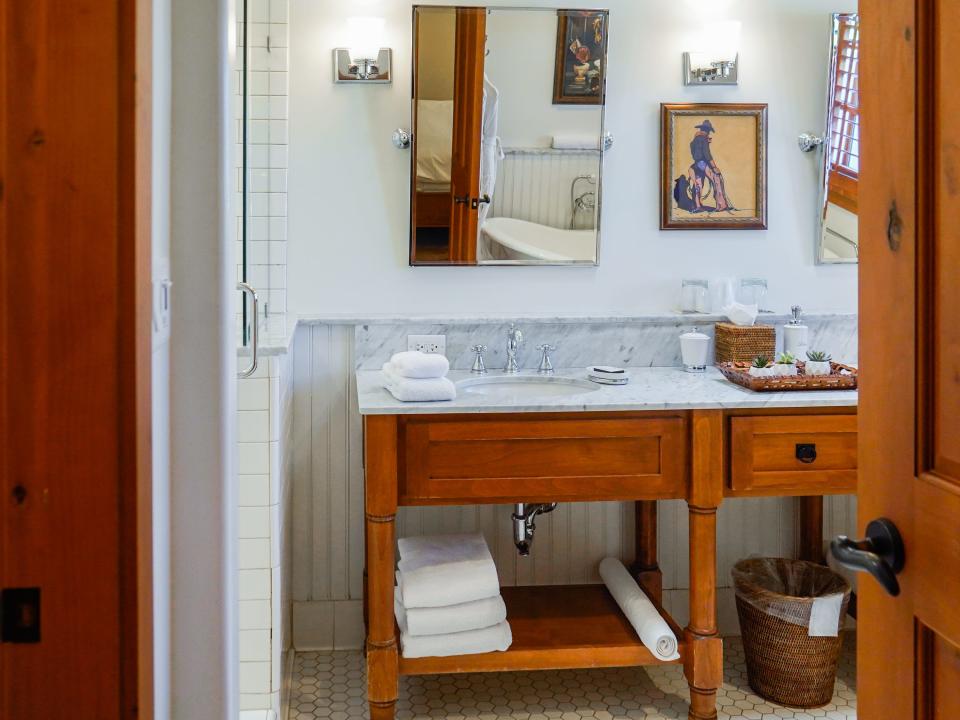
x,y
430,344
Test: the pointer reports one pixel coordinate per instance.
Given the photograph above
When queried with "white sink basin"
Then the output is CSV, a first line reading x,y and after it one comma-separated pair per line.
x,y
525,386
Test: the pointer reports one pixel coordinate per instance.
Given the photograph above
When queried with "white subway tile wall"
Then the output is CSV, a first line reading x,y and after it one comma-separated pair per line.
x,y
267,108
264,448
264,402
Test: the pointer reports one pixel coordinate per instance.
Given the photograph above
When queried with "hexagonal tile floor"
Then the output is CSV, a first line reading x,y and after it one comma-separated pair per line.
x,y
331,686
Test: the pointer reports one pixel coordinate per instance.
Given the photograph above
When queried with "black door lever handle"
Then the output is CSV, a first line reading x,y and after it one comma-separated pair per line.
x,y
881,553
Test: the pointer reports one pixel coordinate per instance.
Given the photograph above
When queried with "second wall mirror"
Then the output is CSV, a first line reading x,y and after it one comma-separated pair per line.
x,y
508,135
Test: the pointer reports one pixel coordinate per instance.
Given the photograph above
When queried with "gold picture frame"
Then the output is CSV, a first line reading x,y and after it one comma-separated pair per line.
x,y
707,185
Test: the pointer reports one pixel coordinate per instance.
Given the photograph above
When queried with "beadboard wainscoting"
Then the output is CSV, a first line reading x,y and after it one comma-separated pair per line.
x,y
327,545
535,185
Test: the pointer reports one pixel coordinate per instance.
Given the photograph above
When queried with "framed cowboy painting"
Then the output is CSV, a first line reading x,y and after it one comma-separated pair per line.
x,y
578,73
713,172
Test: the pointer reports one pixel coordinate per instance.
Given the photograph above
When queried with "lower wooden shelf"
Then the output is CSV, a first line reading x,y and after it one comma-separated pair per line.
x,y
556,628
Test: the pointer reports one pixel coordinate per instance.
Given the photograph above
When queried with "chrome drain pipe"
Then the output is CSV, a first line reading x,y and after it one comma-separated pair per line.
x,y
524,523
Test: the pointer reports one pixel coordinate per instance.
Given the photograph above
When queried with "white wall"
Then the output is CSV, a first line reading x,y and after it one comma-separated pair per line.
x,y
348,186
522,51
203,499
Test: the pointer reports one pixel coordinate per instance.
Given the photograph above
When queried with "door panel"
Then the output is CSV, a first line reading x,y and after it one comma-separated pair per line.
x,y
909,458
74,356
945,250
938,667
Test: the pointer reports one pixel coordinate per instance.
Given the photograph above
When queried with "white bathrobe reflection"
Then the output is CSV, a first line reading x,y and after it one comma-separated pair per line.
x,y
491,153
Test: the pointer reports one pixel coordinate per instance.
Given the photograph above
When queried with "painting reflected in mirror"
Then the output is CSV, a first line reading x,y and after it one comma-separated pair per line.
x,y
837,240
505,171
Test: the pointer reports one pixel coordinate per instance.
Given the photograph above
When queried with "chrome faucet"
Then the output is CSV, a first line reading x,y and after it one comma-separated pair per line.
x,y
514,338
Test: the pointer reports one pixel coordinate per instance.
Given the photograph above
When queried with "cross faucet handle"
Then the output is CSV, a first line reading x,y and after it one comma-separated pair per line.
x,y
478,366
546,366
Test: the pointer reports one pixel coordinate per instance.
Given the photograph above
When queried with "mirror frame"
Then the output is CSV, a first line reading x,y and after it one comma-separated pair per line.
x,y
605,144
824,191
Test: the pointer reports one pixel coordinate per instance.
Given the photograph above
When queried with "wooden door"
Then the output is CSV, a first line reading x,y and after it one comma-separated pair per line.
x,y
74,360
467,128
909,645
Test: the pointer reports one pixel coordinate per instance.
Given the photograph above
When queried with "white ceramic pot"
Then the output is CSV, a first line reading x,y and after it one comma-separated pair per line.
x,y
759,372
784,370
814,368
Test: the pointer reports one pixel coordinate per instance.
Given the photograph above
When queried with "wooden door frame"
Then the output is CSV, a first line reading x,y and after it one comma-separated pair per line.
x,y
136,343
129,111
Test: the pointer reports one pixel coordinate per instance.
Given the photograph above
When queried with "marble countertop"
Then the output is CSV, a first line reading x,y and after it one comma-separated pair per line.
x,y
648,389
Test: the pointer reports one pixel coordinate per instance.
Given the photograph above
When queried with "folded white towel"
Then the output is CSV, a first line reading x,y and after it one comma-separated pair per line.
x,y
649,624
469,642
576,142
418,365
474,615
440,570
412,390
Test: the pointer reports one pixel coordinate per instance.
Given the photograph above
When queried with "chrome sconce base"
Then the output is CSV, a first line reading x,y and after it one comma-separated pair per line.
x,y
808,142
363,71
698,70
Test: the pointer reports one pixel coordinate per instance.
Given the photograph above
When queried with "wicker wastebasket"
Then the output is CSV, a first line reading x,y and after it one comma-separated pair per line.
x,y
774,601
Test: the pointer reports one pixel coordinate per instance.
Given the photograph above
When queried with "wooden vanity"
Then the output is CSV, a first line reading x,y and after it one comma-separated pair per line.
x,y
699,455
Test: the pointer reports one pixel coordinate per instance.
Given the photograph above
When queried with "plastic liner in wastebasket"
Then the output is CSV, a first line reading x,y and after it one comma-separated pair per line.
x,y
791,613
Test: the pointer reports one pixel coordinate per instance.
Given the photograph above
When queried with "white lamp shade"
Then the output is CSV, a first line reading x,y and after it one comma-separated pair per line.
x,y
718,40
365,37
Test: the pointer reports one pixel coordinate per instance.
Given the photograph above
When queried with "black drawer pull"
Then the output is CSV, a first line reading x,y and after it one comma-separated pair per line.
x,y
806,452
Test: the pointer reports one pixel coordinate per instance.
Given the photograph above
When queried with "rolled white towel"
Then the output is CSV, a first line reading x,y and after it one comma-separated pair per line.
x,y
412,390
646,620
576,142
474,615
470,642
440,570
420,366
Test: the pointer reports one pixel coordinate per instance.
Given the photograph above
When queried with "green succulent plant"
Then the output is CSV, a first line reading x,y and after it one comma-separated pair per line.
x,y
760,361
818,356
786,358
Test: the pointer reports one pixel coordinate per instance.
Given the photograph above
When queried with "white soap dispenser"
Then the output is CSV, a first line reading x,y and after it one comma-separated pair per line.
x,y
795,335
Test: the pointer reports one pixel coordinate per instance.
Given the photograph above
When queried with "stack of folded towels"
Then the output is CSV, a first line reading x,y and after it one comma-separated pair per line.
x,y
447,600
418,377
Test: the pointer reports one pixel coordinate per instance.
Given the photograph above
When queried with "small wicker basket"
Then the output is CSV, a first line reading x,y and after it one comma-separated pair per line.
x,y
737,343
785,664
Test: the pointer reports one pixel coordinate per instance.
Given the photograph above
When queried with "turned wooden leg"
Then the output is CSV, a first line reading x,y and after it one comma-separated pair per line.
x,y
381,508
703,659
810,529
703,665
646,569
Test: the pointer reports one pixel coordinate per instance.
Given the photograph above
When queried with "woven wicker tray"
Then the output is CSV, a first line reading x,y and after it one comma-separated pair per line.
x,y
739,373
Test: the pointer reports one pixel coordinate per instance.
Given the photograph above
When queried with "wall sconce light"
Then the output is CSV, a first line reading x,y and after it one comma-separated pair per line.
x,y
717,62
364,60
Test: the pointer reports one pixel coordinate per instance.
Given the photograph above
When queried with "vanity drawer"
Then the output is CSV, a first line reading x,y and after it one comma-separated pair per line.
x,y
506,458
793,455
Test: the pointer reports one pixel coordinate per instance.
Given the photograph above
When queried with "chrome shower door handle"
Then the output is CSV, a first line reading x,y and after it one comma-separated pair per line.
x,y
254,333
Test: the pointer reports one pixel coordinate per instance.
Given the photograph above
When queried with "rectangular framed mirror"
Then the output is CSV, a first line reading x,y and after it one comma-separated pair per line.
x,y
508,135
837,239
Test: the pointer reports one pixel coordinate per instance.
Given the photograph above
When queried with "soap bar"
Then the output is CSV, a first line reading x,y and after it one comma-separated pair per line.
x,y
602,370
